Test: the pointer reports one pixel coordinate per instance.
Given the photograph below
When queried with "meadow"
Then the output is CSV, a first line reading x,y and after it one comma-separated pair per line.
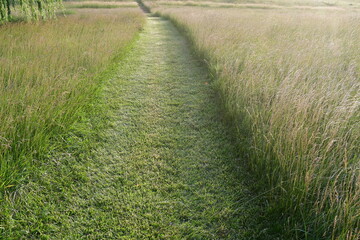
x,y
48,78
261,4
287,76
289,80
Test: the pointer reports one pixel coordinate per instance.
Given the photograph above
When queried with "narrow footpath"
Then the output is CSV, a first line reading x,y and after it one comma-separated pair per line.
x,y
172,164
166,167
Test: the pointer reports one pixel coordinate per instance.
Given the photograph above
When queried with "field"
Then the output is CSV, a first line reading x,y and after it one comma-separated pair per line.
x,y
289,80
221,119
262,4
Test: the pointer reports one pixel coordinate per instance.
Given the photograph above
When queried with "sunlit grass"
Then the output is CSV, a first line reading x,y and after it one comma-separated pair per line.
x,y
48,75
290,82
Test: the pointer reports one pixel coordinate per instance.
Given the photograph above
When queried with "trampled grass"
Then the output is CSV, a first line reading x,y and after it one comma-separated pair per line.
x,y
48,76
290,81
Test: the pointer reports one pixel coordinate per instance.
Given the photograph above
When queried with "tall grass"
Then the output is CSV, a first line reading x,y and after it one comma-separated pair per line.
x,y
272,3
290,81
48,76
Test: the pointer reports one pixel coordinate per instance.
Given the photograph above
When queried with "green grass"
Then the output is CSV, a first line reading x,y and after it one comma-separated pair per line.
x,y
47,77
289,82
140,151
153,162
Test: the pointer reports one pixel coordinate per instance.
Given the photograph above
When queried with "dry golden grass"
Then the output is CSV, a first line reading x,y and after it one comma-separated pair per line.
x,y
328,4
48,74
290,81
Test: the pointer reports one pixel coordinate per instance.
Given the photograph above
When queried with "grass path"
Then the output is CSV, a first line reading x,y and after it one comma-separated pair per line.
x,y
165,168
178,174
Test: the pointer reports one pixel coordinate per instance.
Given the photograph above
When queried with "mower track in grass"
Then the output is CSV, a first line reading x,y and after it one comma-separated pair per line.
x,y
180,176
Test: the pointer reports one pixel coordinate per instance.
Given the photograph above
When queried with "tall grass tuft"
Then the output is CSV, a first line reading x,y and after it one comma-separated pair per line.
x,y
290,80
48,76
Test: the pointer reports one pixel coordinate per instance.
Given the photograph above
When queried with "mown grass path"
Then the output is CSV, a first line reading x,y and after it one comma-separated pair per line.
x,y
171,161
165,168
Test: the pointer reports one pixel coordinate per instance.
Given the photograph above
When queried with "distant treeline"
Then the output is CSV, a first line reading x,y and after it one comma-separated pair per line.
x,y
30,9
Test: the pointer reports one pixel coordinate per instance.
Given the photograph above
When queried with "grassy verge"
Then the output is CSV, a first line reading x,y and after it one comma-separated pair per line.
x,y
290,83
45,205
47,77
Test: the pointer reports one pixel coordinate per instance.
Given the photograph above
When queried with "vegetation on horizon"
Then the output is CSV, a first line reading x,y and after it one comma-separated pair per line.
x,y
48,77
290,83
31,9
